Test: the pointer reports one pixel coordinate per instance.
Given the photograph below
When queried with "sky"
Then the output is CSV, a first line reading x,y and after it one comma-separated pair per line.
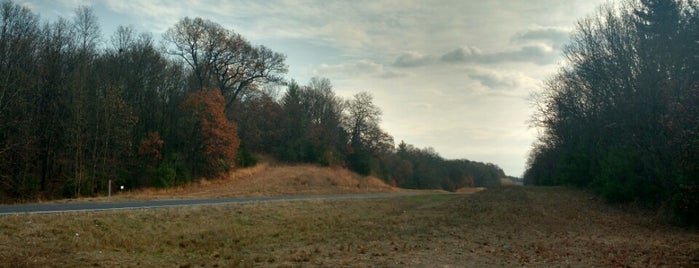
x,y
456,76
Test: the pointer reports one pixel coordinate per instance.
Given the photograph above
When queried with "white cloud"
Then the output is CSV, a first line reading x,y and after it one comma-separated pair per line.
x,y
344,34
413,59
28,5
155,15
535,53
500,79
75,3
553,34
356,70
151,9
462,54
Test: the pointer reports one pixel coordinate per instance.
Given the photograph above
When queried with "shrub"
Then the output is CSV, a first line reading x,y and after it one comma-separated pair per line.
x,y
245,158
165,176
685,204
618,179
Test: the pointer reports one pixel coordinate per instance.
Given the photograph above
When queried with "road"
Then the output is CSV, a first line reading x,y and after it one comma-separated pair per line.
x,y
100,206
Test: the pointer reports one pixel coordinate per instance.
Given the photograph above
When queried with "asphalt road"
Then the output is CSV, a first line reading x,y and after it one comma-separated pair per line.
x,y
99,206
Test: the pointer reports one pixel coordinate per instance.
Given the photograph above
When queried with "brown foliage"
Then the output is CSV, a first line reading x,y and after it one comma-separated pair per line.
x,y
214,141
258,123
150,146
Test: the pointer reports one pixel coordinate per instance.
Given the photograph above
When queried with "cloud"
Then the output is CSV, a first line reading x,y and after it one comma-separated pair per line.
x,y
392,74
155,16
28,5
494,80
498,79
462,54
555,36
344,34
412,59
536,53
357,68
75,3
145,8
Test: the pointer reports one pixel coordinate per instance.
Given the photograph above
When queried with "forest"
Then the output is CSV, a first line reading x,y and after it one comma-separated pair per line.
x,y
622,117
78,110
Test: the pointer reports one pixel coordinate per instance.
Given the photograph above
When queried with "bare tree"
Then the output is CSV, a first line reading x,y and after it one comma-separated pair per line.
x,y
18,42
19,33
123,38
362,116
87,28
222,58
367,140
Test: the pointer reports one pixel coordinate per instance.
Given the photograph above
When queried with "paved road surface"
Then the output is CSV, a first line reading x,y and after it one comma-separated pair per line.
x,y
97,206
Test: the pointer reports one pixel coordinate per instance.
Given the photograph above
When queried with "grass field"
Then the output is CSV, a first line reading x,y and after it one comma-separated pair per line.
x,y
510,226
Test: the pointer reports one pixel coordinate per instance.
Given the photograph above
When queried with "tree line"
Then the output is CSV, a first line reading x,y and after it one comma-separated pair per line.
x,y
622,116
78,111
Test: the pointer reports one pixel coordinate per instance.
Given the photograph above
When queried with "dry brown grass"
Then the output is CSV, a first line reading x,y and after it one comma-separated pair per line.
x,y
272,180
511,226
506,182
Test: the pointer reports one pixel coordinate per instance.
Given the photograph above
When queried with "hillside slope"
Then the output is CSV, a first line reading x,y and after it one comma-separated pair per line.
x,y
267,179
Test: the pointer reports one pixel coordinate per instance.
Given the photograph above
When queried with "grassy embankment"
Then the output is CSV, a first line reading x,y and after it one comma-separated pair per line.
x,y
264,179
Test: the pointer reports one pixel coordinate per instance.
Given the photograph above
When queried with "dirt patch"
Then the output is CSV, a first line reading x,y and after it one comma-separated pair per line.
x,y
470,189
511,226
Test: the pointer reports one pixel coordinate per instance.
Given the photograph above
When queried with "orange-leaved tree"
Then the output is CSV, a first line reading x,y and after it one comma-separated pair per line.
x,y
213,141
